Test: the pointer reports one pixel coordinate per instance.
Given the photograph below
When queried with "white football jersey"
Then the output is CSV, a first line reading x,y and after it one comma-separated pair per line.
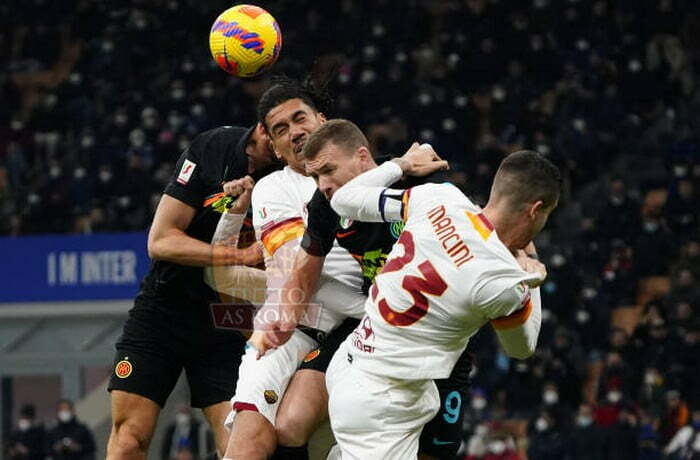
x,y
446,277
279,215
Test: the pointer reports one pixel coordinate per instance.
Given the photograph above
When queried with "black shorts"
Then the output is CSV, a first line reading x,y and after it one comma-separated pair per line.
x,y
442,436
320,358
156,346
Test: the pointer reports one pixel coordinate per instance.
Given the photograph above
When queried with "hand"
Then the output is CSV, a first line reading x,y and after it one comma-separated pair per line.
x,y
243,189
534,266
276,334
227,255
421,160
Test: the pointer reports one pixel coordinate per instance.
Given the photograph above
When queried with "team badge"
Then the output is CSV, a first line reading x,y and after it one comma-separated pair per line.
x,y
313,355
345,223
396,228
270,396
123,369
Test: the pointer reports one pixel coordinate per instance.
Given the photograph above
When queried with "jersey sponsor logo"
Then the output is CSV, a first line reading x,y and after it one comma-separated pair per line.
x,y
372,263
270,396
396,228
186,172
446,233
123,369
312,355
362,334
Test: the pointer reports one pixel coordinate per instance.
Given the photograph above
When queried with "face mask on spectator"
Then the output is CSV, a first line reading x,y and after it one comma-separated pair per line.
x,y
105,176
584,420
87,141
23,424
650,226
497,447
79,173
478,403
481,430
54,172
582,316
614,396
121,119
541,424
16,125
550,397
65,416
649,378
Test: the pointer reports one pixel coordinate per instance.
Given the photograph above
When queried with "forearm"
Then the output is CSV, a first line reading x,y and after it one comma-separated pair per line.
x,y
301,286
518,333
178,247
363,198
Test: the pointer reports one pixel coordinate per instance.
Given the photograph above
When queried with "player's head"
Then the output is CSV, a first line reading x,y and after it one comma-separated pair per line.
x,y
526,188
335,153
259,151
290,111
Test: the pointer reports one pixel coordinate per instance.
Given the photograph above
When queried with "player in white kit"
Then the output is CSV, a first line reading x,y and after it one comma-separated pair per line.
x,y
452,271
279,212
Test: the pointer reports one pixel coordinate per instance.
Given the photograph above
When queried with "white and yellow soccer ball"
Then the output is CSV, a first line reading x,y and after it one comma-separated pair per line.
x,y
245,40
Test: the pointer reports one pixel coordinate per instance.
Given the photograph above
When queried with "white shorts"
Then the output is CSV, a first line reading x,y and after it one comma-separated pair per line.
x,y
262,382
377,417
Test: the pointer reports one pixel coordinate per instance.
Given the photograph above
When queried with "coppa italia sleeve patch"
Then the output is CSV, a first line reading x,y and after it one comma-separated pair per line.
x,y
186,172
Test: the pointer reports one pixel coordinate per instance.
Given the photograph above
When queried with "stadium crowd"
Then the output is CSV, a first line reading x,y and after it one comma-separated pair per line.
x,y
101,99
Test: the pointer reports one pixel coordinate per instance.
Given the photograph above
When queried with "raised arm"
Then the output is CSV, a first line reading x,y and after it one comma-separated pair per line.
x,y
366,197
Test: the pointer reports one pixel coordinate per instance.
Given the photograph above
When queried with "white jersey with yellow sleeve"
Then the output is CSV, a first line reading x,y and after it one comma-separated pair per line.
x,y
279,216
447,276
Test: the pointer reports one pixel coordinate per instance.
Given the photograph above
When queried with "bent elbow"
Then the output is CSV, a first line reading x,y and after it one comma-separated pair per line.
x,y
522,353
154,248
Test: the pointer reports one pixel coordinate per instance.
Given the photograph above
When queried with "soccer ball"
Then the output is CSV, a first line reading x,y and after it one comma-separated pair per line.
x,y
245,40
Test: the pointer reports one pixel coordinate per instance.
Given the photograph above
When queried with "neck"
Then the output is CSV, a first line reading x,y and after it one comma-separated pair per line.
x,y
505,223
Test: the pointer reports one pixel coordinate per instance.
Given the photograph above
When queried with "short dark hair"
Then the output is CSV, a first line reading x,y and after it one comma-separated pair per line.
x,y
285,88
525,177
343,133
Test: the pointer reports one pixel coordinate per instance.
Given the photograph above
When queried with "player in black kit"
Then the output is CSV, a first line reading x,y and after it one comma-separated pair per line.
x,y
369,244
170,327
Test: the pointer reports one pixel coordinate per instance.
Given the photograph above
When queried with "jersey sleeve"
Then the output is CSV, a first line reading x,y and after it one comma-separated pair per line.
x,y
322,225
366,197
275,218
515,312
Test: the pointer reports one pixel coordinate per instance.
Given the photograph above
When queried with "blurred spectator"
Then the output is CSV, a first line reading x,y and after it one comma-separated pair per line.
x,y
27,440
586,439
69,439
182,434
547,440
623,437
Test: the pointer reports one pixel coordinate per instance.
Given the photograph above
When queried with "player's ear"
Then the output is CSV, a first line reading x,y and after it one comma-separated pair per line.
x,y
535,208
364,155
321,117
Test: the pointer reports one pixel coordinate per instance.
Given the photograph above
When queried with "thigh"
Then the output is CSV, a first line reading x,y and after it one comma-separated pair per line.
x,y
441,436
303,408
262,382
212,368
